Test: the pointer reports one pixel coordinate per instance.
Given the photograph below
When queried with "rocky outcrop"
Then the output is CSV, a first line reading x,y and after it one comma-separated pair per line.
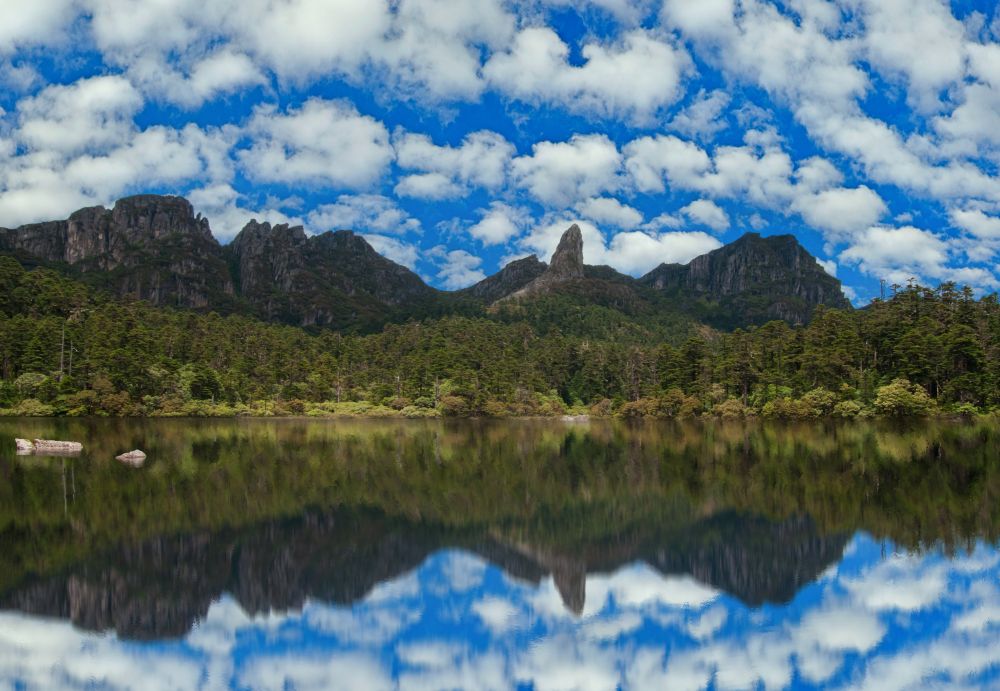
x,y
566,266
335,279
750,281
155,248
511,278
146,247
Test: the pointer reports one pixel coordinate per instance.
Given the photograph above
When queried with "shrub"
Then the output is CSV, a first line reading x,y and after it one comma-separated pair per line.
x,y
32,407
848,409
730,409
903,399
819,402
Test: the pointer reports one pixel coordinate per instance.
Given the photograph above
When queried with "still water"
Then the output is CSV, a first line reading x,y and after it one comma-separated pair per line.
x,y
300,554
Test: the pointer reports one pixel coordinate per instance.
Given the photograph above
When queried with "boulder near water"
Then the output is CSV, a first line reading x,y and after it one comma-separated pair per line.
x,y
135,457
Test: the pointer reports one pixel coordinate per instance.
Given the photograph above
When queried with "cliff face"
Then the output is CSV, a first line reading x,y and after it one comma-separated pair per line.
x,y
333,279
751,281
511,278
566,266
147,247
155,248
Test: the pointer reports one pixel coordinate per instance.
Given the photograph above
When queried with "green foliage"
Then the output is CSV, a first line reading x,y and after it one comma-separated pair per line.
x,y
903,399
70,348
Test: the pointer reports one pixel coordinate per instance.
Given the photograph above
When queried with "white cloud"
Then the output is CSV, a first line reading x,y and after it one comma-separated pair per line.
x,y
323,142
652,161
897,254
367,212
707,213
560,173
634,78
397,250
981,225
499,224
433,48
703,118
434,186
222,72
91,114
456,268
609,211
896,32
841,211
481,160
35,22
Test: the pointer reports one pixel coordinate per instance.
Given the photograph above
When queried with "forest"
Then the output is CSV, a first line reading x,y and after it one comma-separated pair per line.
x,y
68,349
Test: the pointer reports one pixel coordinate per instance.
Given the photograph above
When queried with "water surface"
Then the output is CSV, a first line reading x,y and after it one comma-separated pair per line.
x,y
305,554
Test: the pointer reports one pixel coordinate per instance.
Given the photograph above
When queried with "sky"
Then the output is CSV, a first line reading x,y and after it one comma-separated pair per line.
x,y
877,619
457,136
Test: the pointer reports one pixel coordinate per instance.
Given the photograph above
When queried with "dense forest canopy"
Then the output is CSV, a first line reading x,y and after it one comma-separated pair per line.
x,y
69,349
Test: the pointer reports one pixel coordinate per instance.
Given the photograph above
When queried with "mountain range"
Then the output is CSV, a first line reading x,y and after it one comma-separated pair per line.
x,y
156,248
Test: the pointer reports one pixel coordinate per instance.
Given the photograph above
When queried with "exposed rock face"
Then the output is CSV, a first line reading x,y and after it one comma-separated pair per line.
x,y
566,266
148,247
155,248
334,279
511,278
751,281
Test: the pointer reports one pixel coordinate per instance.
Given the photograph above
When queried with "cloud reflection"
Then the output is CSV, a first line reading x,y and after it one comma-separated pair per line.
x,y
895,622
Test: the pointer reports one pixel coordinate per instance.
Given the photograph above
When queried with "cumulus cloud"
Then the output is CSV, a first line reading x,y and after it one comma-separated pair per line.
x,y
841,211
897,254
560,173
703,118
324,143
93,113
609,211
634,78
397,250
365,212
707,213
481,160
499,224
456,268
36,22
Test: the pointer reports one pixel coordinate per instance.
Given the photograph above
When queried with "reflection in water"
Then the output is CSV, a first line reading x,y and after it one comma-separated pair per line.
x,y
456,621
286,554
161,587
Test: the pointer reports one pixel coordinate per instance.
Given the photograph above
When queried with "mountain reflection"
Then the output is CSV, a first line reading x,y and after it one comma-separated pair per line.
x,y
288,515
161,587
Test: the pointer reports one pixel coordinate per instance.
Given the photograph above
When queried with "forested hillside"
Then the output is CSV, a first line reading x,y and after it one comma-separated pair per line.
x,y
68,349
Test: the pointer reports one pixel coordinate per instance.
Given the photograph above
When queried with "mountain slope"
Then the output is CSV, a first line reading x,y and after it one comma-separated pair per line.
x,y
335,279
157,249
750,281
147,247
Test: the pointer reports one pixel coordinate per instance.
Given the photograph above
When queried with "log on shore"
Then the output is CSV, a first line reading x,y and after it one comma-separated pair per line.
x,y
48,445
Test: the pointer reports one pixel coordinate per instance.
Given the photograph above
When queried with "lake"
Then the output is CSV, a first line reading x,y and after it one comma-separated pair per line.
x,y
524,554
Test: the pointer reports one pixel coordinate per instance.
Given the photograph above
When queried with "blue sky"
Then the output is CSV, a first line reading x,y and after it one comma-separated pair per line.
x,y
877,619
456,136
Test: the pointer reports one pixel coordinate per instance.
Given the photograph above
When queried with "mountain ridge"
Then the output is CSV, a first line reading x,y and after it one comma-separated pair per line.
x,y
156,248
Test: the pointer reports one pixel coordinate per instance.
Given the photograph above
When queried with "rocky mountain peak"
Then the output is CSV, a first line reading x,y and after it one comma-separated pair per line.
x,y
566,265
751,281
567,262
151,217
